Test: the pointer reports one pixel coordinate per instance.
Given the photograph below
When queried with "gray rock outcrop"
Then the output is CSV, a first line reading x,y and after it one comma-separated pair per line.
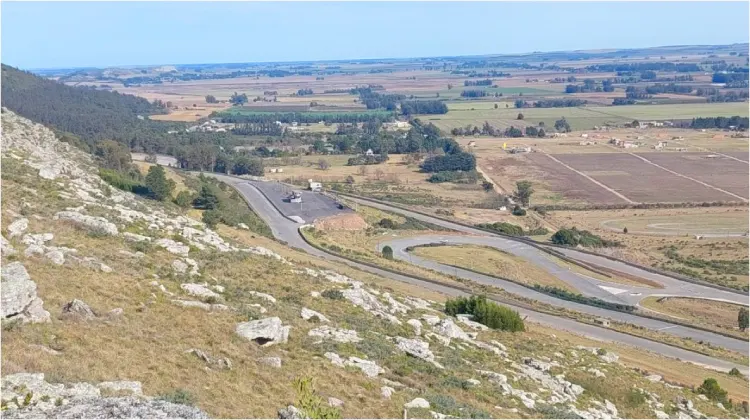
x,y
198,290
308,314
83,400
91,223
291,412
335,334
418,349
368,367
78,309
5,247
18,296
173,247
265,332
417,403
18,227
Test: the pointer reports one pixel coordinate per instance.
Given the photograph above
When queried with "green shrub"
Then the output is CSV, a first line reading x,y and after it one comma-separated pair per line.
x,y
511,229
448,405
518,211
463,177
123,181
635,398
211,218
178,396
735,372
387,224
184,199
537,231
577,297
387,252
486,312
575,237
504,228
711,389
333,294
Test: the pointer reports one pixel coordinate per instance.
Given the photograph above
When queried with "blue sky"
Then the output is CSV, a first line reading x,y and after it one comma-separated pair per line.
x,y
62,34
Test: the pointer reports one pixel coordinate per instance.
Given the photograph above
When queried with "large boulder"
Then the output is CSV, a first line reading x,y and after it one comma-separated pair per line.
x,y
308,314
18,295
447,328
91,223
18,227
417,403
418,349
78,309
265,332
198,290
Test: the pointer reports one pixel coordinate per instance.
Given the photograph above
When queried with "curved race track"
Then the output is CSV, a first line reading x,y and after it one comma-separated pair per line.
x,y
259,195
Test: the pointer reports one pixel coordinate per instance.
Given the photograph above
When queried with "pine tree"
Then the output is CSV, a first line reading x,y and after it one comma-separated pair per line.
x,y
743,318
157,182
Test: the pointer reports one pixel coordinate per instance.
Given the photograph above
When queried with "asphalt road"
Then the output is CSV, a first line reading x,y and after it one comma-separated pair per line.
x,y
287,230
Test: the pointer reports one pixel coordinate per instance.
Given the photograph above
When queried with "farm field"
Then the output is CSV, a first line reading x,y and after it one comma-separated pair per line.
x,y
461,114
655,234
728,174
626,174
642,182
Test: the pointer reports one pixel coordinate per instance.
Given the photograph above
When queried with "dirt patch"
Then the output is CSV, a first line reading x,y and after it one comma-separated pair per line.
x,y
350,221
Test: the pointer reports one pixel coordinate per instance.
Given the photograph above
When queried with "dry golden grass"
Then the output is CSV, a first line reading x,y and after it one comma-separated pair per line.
x,y
671,370
492,262
708,313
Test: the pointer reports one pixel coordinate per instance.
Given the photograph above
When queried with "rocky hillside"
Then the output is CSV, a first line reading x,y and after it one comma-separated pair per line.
x,y
117,306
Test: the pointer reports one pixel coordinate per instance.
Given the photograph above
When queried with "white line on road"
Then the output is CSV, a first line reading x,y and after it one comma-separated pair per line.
x,y
687,177
666,328
591,179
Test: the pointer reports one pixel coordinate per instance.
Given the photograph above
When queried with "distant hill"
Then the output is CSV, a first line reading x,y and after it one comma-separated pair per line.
x,y
87,113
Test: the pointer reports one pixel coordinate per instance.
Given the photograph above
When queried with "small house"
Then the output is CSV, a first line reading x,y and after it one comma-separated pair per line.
x,y
472,144
369,152
603,322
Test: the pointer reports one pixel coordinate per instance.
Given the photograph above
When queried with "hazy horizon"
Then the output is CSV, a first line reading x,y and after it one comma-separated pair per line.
x,y
44,35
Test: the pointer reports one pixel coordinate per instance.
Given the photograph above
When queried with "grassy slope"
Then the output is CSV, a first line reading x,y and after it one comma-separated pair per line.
x,y
711,314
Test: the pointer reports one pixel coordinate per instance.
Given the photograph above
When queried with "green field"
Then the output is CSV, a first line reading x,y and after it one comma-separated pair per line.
x,y
460,114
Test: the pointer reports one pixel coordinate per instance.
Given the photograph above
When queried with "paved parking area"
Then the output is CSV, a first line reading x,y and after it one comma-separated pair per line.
x,y
313,206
